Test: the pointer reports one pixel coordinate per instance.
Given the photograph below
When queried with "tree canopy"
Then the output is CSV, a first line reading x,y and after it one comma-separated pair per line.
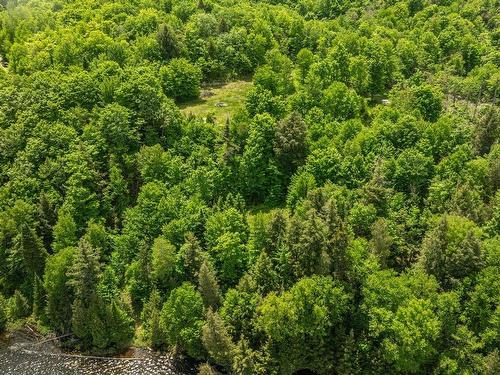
x,y
345,219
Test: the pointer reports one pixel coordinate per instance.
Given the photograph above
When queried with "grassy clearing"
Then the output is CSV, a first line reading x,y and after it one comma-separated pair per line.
x,y
232,95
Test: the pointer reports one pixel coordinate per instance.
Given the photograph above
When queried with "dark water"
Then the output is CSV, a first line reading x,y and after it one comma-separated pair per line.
x,y
21,355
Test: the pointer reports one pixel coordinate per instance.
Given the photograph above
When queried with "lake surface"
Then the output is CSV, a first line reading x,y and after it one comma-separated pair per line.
x,y
22,355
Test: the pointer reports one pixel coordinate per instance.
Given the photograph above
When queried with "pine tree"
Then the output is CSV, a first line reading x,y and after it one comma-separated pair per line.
x,y
216,339
84,272
309,245
168,42
84,278
32,251
434,251
277,231
290,144
338,240
151,319
47,218
38,298
3,313
247,361
191,255
116,194
263,276
120,326
206,369
18,306
381,241
208,285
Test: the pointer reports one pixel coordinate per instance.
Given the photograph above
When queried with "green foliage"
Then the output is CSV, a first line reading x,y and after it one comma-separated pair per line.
x,y
327,198
18,306
168,41
299,321
181,80
182,320
452,250
151,317
163,264
208,285
216,340
290,145
341,102
257,165
413,332
59,292
428,102
64,232
38,298
3,313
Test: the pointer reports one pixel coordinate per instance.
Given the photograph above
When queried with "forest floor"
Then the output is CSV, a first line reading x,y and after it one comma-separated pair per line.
x,y
218,101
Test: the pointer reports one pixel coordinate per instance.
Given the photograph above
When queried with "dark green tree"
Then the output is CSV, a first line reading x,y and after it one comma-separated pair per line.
x,y
208,286
217,340
290,145
452,251
168,41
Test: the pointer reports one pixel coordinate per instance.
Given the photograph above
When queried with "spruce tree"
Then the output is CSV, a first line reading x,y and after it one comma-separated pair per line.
x,y
38,298
247,361
84,272
84,278
262,275
168,42
290,144
208,285
18,306
206,369
47,218
3,313
217,340
150,317
191,255
32,251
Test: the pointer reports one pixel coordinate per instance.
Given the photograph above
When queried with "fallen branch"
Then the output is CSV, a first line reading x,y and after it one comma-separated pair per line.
x,y
53,339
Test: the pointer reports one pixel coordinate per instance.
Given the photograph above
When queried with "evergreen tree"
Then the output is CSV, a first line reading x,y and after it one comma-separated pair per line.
x,y
290,145
452,251
38,298
247,361
3,313
85,272
47,218
83,278
168,42
150,317
58,289
191,255
262,277
308,244
32,251
216,339
206,369
18,306
208,285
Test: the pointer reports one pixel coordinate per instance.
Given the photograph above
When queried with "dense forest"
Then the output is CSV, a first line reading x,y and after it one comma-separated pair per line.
x,y
344,220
